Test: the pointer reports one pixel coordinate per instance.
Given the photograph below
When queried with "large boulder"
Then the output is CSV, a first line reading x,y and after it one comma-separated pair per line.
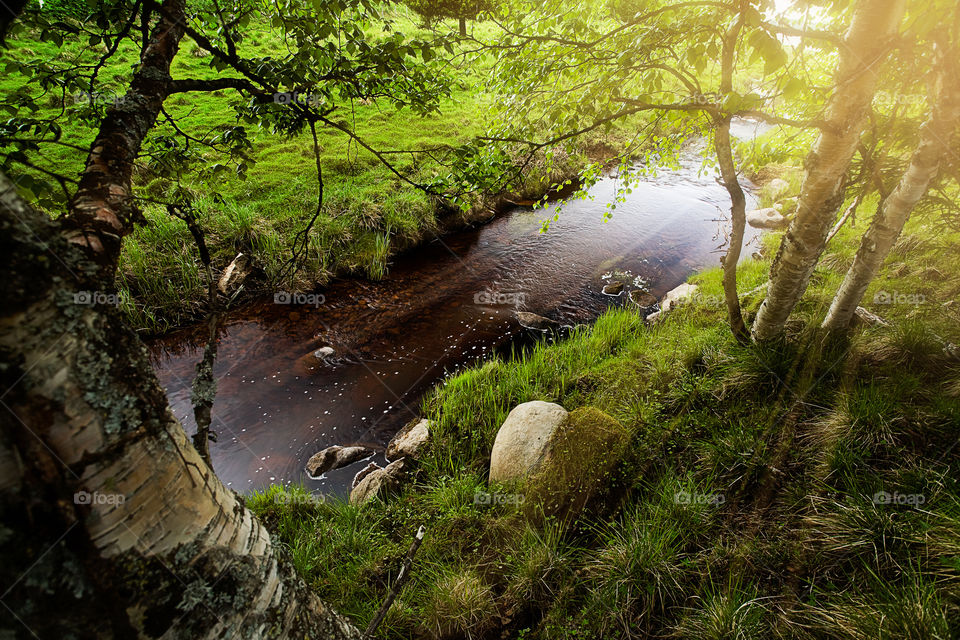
x,y
522,441
580,459
409,441
335,457
768,218
558,460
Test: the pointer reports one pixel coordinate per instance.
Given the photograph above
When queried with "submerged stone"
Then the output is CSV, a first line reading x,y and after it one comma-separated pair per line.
x,y
533,321
614,288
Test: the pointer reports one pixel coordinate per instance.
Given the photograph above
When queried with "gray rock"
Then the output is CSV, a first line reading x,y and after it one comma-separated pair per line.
x,y
235,274
522,441
323,353
768,218
533,321
409,441
379,482
614,288
677,295
866,317
373,466
335,457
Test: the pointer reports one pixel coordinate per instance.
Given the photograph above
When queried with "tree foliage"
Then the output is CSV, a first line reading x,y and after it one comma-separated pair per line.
x,y
461,10
334,54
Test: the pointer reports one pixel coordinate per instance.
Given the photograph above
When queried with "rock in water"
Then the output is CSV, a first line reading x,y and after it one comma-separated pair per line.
x,y
768,218
643,299
323,353
614,288
522,441
533,321
409,440
335,457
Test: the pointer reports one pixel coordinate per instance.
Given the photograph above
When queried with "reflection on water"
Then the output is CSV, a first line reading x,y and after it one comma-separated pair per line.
x,y
442,306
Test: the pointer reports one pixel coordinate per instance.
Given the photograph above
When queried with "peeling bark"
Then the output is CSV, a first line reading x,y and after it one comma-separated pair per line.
x,y
893,212
822,193
113,526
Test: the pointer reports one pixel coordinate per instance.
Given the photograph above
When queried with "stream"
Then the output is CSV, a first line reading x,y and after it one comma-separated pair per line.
x,y
442,306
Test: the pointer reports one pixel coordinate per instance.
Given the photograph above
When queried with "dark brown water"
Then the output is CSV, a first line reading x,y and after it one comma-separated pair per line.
x,y
441,307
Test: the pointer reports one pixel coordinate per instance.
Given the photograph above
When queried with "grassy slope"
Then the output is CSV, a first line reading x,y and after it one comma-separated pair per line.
x,y
368,213
797,438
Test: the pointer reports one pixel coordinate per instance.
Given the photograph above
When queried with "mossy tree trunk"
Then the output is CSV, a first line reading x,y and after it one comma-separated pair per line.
x,y
113,525
865,45
893,212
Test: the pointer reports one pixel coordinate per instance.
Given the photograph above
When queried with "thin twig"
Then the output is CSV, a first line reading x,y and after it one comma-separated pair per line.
x,y
397,585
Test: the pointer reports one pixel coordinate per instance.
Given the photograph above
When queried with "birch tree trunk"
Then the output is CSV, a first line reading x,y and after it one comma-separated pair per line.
x,y
738,202
738,218
874,23
113,526
892,214
102,210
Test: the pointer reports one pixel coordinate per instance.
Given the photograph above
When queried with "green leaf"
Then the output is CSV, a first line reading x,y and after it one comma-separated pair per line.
x,y
793,88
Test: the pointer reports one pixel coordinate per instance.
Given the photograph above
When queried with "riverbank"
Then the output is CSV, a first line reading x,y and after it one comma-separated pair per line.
x,y
443,307
797,490
358,235
258,206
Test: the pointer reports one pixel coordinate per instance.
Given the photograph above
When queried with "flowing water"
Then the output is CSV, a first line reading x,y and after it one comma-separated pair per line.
x,y
442,306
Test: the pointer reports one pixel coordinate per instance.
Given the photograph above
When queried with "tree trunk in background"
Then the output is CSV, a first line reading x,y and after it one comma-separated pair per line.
x,y
874,23
738,202
113,526
102,210
463,26
892,214
738,217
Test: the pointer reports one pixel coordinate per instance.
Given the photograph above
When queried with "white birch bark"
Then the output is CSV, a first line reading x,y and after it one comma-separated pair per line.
x,y
864,47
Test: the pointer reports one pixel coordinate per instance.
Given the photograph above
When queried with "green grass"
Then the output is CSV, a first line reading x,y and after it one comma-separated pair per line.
x,y
368,213
798,438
